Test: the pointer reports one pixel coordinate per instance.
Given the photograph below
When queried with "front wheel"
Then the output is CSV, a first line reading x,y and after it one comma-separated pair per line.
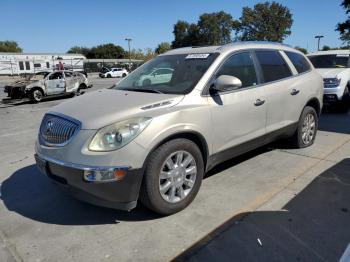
x,y
173,176
307,128
37,95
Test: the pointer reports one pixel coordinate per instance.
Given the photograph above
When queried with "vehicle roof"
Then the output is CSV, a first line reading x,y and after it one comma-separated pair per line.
x,y
331,52
230,47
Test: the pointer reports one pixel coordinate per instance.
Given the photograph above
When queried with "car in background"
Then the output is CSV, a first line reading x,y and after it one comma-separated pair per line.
x,y
57,83
155,142
156,76
334,66
113,72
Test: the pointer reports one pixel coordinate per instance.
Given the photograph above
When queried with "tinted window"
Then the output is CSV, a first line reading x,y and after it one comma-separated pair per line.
x,y
27,65
272,65
240,66
37,65
299,62
21,66
330,61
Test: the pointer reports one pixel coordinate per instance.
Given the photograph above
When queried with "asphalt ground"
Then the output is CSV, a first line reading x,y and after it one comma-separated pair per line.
x,y
272,204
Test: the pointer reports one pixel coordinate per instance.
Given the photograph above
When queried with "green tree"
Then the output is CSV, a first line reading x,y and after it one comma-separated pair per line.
x,y
265,22
211,29
162,48
344,27
106,51
326,48
215,28
79,50
10,46
303,50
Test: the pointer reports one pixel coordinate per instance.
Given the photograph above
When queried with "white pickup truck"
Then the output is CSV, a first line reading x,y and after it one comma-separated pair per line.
x,y
334,66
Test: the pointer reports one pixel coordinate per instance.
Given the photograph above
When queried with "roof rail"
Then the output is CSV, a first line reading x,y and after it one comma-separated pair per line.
x,y
253,42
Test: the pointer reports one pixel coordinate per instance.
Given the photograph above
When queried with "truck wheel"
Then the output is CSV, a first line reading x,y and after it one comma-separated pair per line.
x,y
307,128
36,95
173,176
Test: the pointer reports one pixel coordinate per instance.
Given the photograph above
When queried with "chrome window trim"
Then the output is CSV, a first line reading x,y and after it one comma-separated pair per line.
x,y
80,166
65,117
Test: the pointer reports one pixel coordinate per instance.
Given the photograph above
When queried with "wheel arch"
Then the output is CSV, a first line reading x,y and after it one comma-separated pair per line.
x,y
193,136
314,103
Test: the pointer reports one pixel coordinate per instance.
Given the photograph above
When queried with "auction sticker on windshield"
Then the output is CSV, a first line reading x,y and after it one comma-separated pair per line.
x,y
197,56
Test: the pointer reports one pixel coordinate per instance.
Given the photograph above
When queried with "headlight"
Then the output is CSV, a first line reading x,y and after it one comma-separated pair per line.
x,y
116,136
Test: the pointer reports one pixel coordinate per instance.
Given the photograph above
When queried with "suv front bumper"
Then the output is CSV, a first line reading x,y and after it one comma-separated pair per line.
x,y
120,194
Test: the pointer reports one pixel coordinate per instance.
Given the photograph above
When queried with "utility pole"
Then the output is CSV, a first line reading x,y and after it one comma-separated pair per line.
x,y
318,37
129,40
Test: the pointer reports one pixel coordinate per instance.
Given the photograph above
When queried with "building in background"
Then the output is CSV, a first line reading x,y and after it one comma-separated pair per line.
x,y
29,63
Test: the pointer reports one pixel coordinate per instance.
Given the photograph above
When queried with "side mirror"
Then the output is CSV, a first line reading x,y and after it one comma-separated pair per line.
x,y
227,83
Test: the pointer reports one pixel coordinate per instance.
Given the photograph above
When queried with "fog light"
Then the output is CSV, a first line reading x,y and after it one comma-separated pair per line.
x,y
104,175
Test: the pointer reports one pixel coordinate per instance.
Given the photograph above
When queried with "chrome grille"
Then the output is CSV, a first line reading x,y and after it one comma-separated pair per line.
x,y
57,130
330,82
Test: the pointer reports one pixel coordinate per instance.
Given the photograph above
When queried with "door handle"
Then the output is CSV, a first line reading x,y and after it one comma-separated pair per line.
x,y
259,102
294,92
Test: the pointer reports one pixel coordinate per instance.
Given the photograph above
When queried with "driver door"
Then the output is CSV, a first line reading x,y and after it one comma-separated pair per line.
x,y
55,83
238,116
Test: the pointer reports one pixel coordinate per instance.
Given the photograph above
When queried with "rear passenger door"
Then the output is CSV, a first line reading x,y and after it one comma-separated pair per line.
x,y
238,117
281,89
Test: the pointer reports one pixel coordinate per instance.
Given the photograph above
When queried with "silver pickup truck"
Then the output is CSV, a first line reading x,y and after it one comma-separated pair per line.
x,y
57,83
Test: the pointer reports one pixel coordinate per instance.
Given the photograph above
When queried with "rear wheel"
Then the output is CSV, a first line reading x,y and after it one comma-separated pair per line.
x,y
36,95
124,75
307,128
173,176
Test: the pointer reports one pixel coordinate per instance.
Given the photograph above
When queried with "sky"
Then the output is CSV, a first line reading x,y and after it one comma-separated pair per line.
x,y
55,26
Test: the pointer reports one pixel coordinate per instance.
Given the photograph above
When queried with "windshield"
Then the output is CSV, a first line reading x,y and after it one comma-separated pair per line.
x,y
330,61
169,74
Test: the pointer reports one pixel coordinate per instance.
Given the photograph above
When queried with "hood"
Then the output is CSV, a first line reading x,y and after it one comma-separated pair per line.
x,y
331,72
22,83
104,107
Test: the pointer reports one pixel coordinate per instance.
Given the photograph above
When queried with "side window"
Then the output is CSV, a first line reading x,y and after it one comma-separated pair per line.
x,y
47,65
164,71
241,66
36,65
21,65
27,65
300,63
272,65
56,75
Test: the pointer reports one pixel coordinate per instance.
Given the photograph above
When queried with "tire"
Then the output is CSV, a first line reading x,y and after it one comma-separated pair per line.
x,y
302,137
146,82
124,75
109,76
36,95
151,195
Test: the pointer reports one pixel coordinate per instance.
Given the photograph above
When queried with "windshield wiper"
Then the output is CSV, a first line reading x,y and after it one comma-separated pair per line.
x,y
143,90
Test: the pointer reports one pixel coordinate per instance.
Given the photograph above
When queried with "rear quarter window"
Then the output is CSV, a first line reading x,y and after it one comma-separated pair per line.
x,y
272,65
300,63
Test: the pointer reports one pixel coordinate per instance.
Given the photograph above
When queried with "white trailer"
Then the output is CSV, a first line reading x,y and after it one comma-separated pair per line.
x,y
25,63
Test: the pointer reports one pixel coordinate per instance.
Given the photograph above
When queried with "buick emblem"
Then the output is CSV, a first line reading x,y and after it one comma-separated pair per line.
x,y
49,127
